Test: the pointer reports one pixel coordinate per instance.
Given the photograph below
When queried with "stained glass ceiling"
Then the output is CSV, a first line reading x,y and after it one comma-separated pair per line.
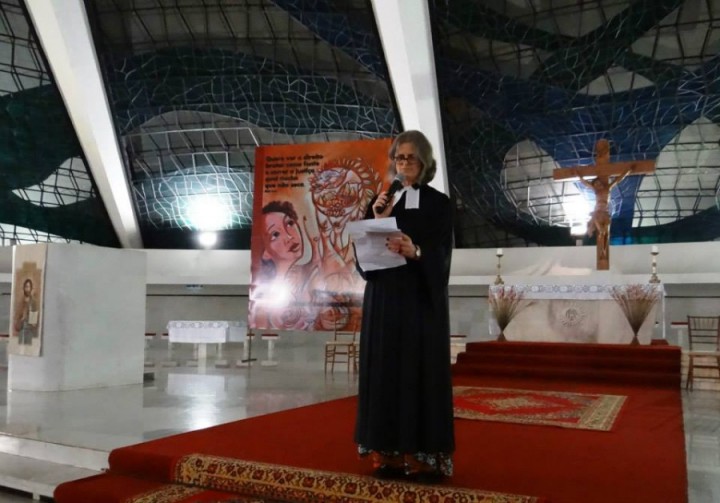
x,y
196,86
526,86
46,190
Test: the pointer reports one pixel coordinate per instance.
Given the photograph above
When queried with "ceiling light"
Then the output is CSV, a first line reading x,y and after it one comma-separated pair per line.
x,y
578,230
207,213
207,239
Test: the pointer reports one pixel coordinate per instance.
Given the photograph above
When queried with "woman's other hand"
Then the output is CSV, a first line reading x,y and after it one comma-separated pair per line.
x,y
403,245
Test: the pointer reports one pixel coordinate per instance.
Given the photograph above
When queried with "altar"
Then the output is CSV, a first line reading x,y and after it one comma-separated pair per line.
x,y
575,313
207,332
202,333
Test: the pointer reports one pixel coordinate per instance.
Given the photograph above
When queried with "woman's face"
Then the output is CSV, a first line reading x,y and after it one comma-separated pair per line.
x,y
281,238
407,162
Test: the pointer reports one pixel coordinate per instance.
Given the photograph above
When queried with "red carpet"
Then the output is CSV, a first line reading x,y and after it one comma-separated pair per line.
x,y
546,408
641,459
111,488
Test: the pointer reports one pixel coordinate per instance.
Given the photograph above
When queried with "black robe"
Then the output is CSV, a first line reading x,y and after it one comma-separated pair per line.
x,y
405,389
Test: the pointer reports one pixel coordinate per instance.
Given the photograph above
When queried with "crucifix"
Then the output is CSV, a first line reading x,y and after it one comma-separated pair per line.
x,y
602,184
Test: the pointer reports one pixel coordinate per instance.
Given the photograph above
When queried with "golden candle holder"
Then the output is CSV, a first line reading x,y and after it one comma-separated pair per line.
x,y
654,277
498,278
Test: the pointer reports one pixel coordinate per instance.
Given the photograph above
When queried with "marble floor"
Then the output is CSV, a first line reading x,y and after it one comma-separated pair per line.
x,y
185,398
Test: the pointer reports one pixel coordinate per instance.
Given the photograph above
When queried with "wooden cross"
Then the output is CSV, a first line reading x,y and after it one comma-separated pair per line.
x,y
602,170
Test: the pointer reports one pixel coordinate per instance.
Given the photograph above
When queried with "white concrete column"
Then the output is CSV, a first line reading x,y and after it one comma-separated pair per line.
x,y
64,32
404,27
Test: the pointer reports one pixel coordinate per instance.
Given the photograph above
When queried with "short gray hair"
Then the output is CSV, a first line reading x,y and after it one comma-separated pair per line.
x,y
423,150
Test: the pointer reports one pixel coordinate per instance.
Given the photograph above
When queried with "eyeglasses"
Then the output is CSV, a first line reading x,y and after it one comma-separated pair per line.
x,y
410,159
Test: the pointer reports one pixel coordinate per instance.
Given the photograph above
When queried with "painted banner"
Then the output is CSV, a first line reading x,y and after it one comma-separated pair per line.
x,y
26,299
303,268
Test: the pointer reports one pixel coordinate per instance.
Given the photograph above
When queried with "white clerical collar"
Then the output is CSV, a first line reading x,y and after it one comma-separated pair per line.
x,y
412,197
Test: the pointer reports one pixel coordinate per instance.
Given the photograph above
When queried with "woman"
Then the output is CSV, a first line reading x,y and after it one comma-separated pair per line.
x,y
282,242
405,413
282,283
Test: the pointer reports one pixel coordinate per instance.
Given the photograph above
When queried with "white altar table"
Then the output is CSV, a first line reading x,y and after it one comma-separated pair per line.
x,y
575,313
202,333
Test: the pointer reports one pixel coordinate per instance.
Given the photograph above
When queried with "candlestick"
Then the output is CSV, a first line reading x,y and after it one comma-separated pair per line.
x,y
654,278
498,278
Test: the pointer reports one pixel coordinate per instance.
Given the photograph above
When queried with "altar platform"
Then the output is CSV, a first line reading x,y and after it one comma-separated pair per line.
x,y
245,458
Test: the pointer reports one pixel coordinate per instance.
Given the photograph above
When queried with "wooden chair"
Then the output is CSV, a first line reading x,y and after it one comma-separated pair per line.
x,y
344,346
457,345
704,343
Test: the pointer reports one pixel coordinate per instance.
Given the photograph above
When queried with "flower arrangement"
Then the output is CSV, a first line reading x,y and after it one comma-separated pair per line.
x,y
505,304
636,302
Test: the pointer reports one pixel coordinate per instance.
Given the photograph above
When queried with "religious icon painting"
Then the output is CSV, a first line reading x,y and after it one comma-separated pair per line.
x,y
26,300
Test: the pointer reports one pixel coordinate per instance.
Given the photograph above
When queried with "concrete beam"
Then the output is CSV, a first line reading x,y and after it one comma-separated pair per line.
x,y
406,36
65,35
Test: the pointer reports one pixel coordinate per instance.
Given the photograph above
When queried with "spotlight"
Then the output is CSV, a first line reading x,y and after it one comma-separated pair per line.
x,y
273,295
207,239
578,230
206,212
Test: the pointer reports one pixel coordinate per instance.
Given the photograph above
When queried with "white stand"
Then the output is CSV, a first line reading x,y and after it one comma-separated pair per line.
x,y
681,328
148,342
199,355
270,339
169,361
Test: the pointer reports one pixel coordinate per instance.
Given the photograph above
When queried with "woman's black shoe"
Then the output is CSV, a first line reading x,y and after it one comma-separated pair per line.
x,y
389,472
426,477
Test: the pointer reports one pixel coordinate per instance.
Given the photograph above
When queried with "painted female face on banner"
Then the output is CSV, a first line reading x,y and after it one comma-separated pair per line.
x,y
282,241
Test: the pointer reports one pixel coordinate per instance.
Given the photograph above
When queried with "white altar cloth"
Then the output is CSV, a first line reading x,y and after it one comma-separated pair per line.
x,y
575,313
207,332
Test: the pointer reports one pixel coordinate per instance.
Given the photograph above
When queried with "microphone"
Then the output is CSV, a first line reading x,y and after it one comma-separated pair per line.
x,y
396,185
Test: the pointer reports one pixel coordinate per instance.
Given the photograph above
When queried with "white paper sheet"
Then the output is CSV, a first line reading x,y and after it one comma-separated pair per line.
x,y
369,237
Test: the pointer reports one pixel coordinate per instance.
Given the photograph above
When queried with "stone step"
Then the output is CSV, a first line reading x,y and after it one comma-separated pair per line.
x,y
37,477
73,456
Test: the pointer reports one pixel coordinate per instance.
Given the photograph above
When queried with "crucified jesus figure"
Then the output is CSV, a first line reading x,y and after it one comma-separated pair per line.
x,y
600,217
606,177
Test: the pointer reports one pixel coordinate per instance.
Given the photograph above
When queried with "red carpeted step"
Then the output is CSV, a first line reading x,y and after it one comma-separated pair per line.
x,y
670,363
658,365
591,363
112,488
641,459
628,377
520,347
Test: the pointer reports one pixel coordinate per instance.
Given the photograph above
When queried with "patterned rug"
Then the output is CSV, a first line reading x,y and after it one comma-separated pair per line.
x,y
290,484
171,493
553,408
